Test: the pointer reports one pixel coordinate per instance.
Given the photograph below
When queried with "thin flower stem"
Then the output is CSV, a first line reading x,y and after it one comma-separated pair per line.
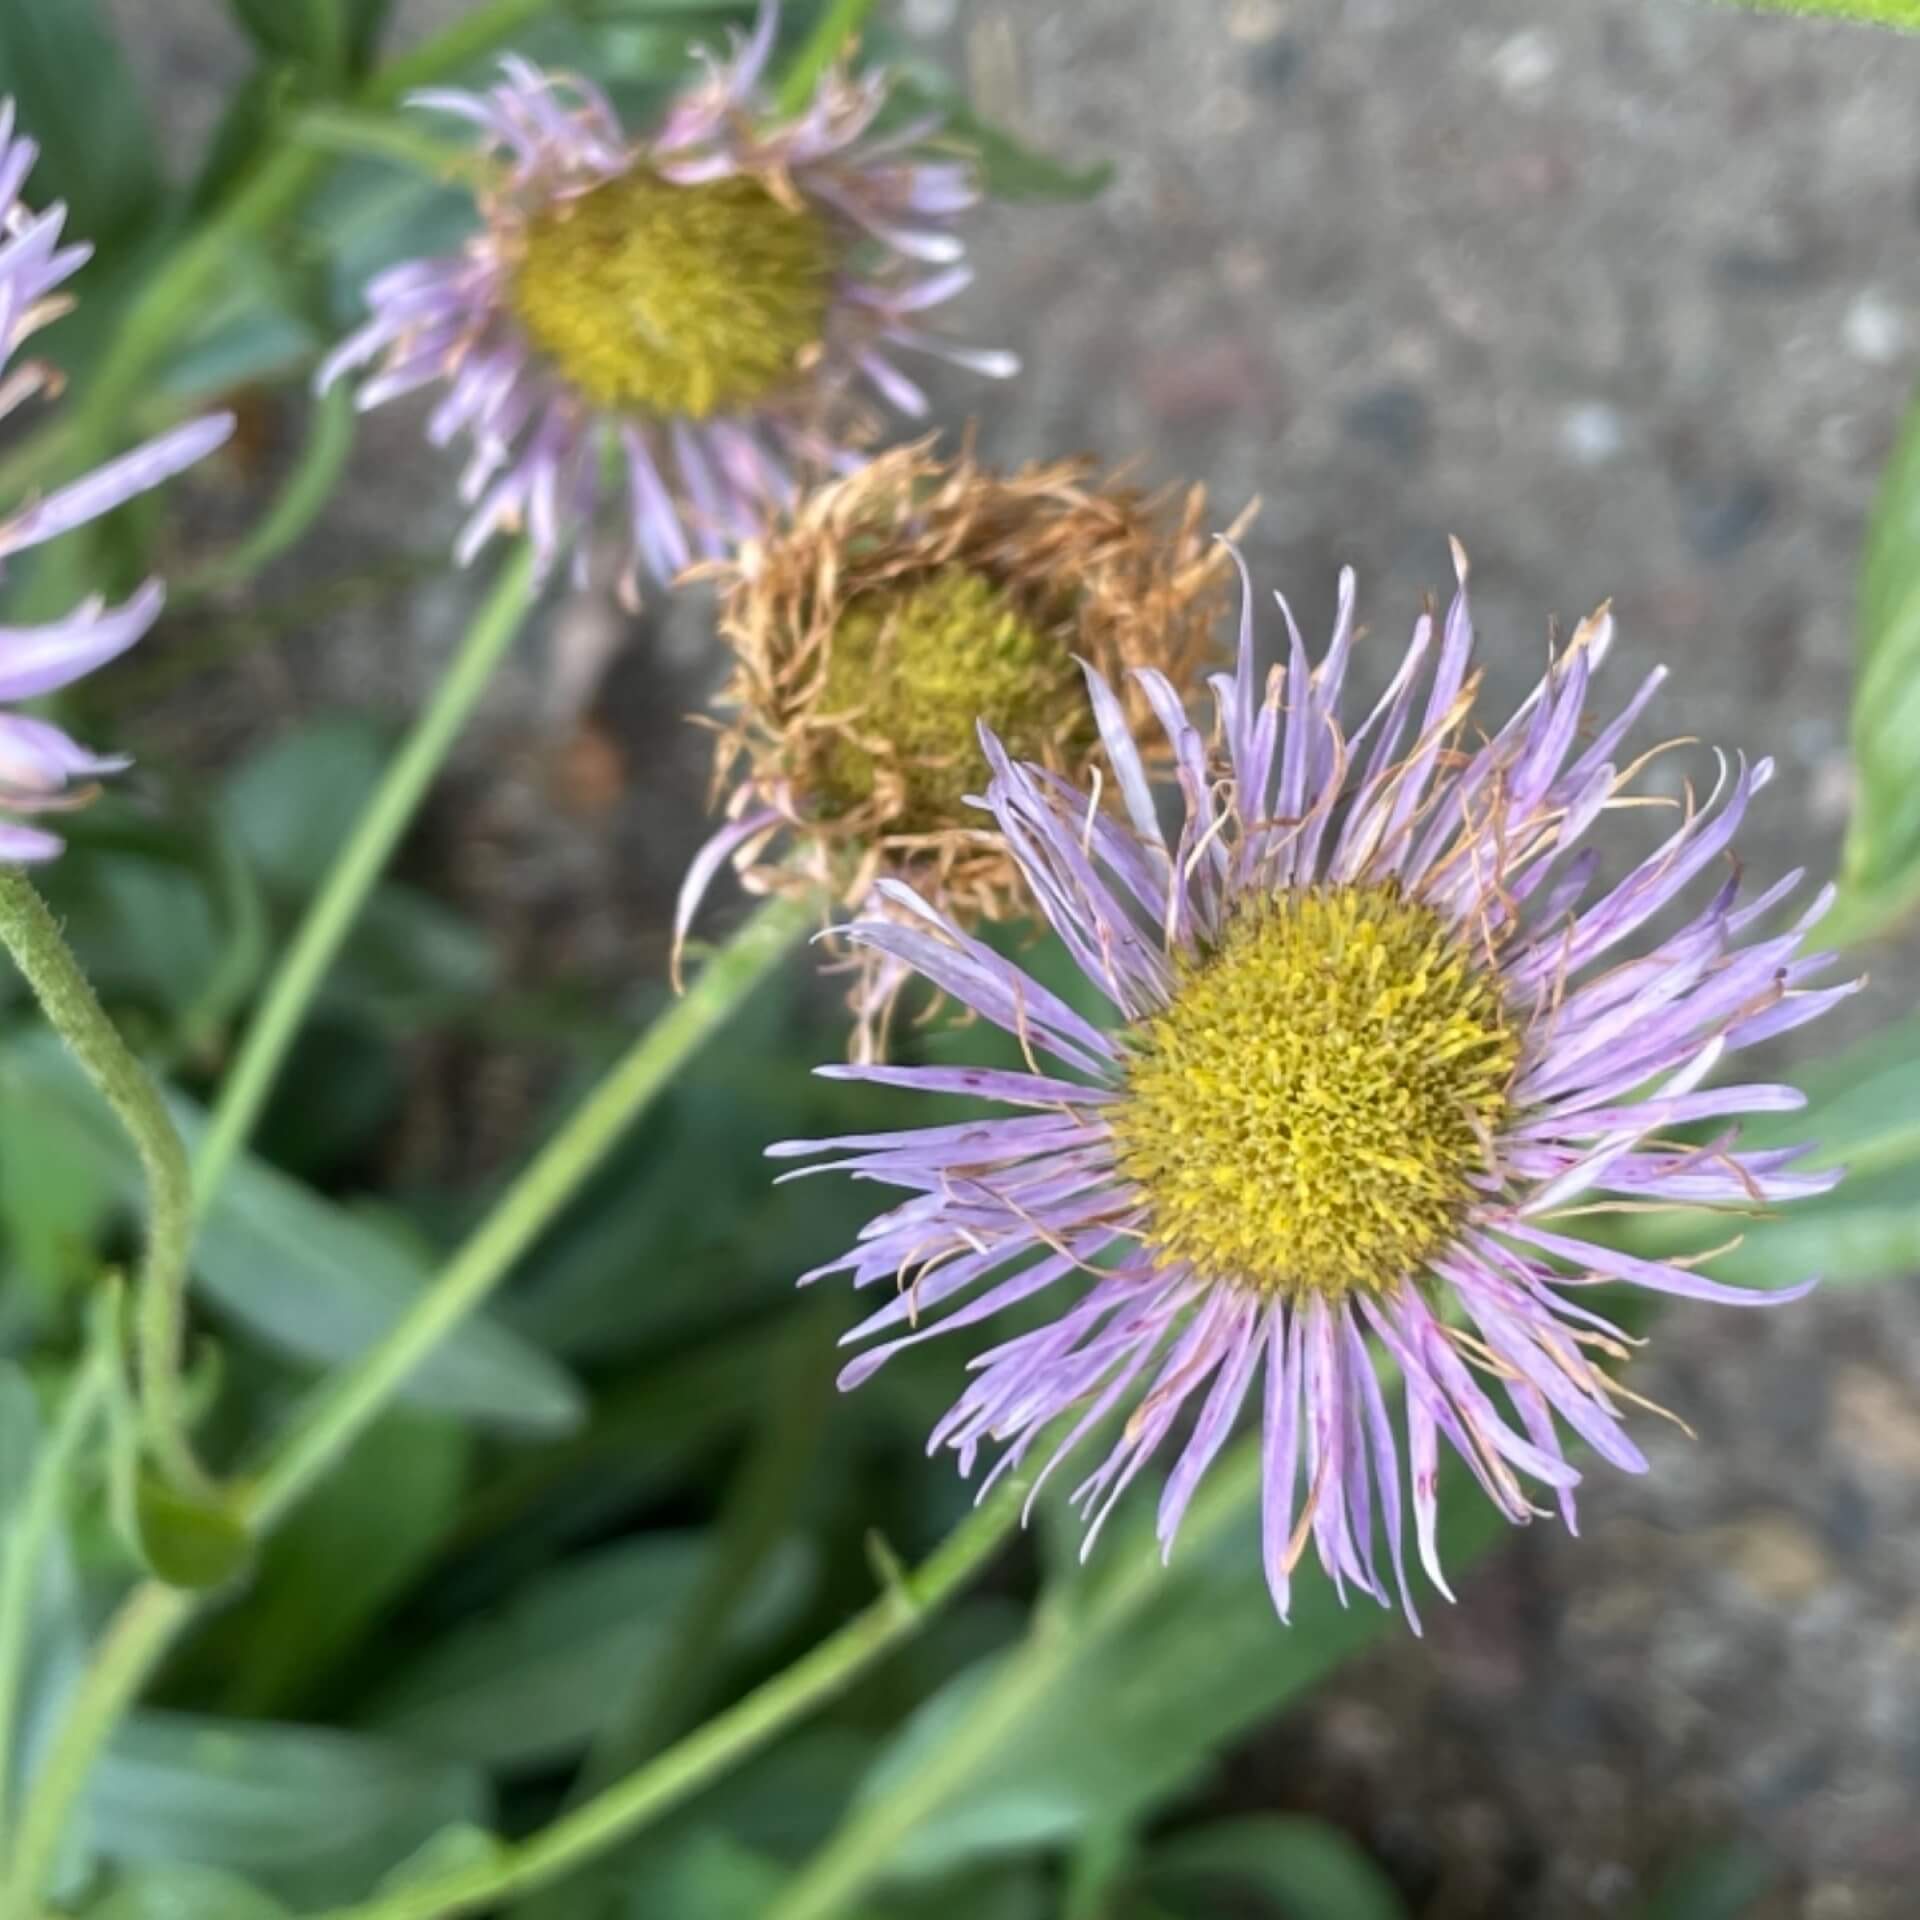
x,y
362,1390
837,26
24,1540
154,1613
334,909
705,1754
33,937
125,1656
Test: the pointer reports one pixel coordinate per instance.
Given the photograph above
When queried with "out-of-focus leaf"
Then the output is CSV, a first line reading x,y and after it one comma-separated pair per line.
x,y
187,1540
186,1892
19,1437
1009,168
451,1850
1308,1869
338,1563
342,1086
1717,1883
1880,13
313,1816
51,1205
709,1876
527,1683
75,94
295,800
336,39
1862,1113
1132,1677
300,1273
1880,876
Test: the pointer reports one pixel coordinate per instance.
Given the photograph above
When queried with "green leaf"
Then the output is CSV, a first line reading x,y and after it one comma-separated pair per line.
x,y
294,800
312,1815
339,1562
337,39
456,1849
1881,870
1718,1883
1009,168
1882,13
299,1272
75,95
186,1540
1132,1677
186,1892
1310,1870
52,1205
527,1683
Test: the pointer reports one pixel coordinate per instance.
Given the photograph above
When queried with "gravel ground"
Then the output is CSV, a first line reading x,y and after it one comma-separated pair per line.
x,y
1627,296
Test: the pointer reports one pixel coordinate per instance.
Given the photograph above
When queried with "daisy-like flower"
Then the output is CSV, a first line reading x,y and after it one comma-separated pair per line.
x,y
1380,1044
42,770
874,632
688,315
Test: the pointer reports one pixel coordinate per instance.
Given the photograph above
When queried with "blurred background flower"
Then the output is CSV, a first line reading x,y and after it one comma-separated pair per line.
x,y
685,311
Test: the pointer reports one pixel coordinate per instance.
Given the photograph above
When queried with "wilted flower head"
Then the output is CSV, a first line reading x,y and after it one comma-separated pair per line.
x,y
690,311
1379,1044
899,609
39,763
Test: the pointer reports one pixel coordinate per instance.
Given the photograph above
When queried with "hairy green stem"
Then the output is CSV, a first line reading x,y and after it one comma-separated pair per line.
x,y
31,934
22,1542
148,1622
705,1754
334,909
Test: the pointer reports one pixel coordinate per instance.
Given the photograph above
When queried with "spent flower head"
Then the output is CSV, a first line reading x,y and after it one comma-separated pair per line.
x,y
898,610
691,315
42,770
1381,1047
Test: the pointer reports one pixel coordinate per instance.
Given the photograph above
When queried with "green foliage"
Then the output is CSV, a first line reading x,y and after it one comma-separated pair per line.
x,y
1305,1868
1881,13
74,91
1882,869
335,39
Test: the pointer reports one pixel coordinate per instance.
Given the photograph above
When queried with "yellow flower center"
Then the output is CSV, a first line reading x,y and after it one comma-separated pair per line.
x,y
911,672
672,300
1304,1115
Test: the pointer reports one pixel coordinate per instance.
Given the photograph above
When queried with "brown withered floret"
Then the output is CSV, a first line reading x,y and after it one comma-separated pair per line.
x,y
897,610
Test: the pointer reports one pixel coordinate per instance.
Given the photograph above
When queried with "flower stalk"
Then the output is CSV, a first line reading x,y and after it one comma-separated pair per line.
x,y
33,937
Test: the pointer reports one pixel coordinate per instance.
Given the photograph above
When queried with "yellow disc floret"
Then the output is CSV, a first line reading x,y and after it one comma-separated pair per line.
x,y
1304,1116
675,300
911,671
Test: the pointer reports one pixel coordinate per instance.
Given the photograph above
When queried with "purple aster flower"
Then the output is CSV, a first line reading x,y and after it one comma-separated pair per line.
x,y
1380,1044
38,763
686,315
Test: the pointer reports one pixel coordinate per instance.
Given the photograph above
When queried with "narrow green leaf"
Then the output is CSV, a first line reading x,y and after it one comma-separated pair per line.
x,y
1881,874
1722,1882
527,1683
1904,14
1310,1870
300,1273
185,1892
188,1541
75,95
313,1816
1131,1679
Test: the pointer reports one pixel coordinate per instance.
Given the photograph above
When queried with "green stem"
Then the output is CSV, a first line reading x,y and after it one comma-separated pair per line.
x,y
722,1742
308,488
21,1546
33,937
149,1620
120,1665
359,864
357,1395
838,25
